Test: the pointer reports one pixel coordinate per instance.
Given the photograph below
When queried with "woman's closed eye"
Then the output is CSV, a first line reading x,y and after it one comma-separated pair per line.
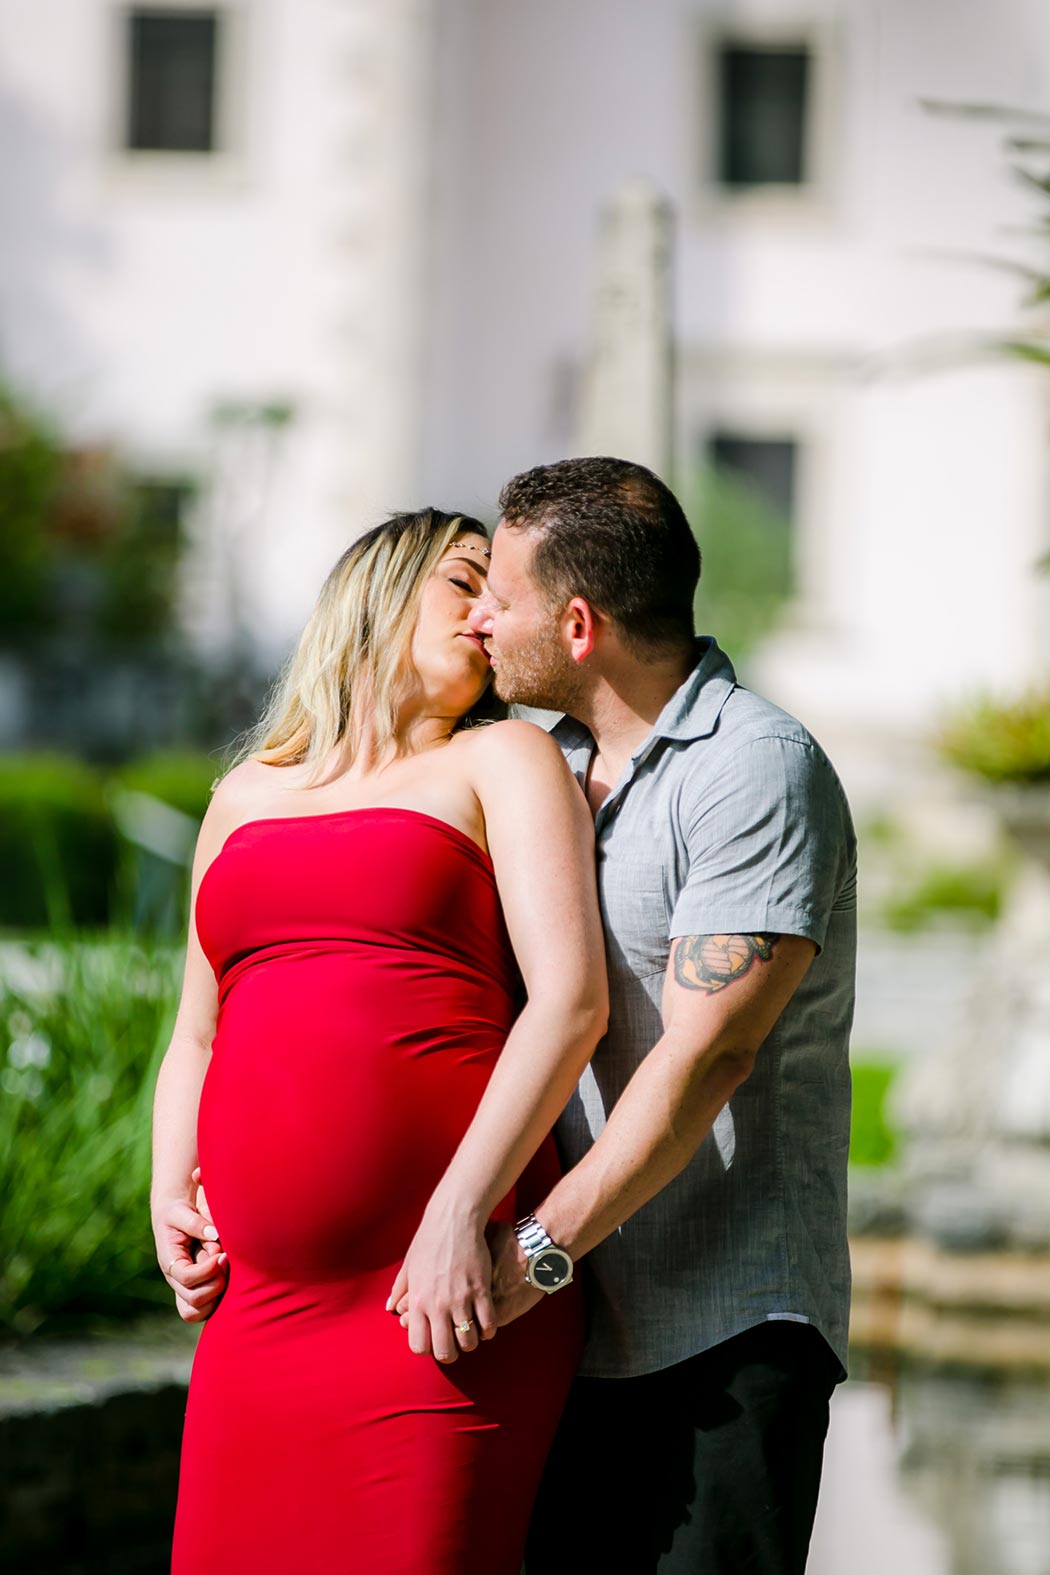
x,y
465,585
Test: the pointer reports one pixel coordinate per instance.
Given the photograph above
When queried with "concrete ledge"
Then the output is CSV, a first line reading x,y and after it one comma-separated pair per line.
x,y
982,1310
90,1432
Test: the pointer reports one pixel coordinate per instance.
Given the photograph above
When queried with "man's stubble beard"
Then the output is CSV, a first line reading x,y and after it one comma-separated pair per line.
x,y
540,674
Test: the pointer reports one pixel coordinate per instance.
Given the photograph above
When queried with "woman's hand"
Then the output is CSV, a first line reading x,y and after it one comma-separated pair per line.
x,y
446,1279
512,1294
198,1278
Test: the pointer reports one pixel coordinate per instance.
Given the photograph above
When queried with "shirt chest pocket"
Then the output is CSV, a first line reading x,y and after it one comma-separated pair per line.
x,y
636,917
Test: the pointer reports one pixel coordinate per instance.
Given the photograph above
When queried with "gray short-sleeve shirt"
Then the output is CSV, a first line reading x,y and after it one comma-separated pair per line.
x,y
728,819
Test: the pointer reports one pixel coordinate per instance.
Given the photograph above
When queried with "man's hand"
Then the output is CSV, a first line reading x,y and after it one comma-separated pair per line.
x,y
198,1277
512,1295
442,1288
511,1292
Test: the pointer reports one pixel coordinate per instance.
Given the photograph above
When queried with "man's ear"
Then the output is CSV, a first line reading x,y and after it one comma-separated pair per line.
x,y
580,627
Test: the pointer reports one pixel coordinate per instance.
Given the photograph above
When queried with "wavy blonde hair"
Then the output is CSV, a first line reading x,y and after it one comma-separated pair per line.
x,y
354,652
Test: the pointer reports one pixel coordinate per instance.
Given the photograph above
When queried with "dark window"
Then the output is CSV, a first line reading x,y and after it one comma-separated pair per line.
x,y
172,80
160,505
762,103
765,465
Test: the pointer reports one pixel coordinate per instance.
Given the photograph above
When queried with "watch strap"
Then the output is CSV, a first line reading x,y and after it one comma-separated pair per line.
x,y
532,1236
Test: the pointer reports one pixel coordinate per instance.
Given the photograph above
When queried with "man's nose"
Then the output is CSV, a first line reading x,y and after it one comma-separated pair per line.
x,y
480,617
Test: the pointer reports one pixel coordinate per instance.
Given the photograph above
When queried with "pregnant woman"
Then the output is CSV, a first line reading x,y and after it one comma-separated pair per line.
x,y
378,886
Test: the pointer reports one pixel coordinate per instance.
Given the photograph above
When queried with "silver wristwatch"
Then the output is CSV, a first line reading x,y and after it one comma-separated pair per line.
x,y
547,1267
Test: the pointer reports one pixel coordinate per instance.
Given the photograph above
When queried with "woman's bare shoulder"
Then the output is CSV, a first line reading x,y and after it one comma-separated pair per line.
x,y
512,757
243,793
247,777
511,741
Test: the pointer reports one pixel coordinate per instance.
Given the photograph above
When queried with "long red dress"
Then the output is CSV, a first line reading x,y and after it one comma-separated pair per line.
x,y
366,986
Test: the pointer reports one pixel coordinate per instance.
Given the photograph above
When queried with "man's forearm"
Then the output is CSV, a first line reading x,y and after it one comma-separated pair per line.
x,y
655,1128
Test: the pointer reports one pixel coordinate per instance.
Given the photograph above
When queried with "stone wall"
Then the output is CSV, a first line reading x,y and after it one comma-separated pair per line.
x,y
90,1489
90,1432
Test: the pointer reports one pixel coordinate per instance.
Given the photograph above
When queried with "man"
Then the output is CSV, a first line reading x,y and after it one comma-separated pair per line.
x,y
706,1147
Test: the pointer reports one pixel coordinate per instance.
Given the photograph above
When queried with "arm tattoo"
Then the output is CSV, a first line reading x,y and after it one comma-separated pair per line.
x,y
711,962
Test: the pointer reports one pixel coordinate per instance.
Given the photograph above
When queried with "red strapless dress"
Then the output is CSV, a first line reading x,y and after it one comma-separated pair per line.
x,y
366,986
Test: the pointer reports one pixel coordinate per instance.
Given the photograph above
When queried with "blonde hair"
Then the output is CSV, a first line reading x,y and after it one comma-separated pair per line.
x,y
354,651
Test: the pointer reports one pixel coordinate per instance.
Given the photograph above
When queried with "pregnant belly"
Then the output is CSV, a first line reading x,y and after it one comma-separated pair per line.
x,y
332,1106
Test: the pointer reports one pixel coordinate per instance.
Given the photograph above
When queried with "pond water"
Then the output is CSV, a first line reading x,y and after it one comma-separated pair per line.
x,y
934,1473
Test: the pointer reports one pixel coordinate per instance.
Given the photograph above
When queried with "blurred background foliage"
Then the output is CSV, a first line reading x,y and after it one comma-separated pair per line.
x,y
91,552
65,847
1008,739
872,1141
86,1026
968,894
745,542
1002,741
92,642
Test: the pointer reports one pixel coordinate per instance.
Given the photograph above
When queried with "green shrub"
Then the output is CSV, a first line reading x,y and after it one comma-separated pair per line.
x,y
176,777
1003,742
747,570
970,893
159,801
58,845
872,1139
78,1061
65,863
30,480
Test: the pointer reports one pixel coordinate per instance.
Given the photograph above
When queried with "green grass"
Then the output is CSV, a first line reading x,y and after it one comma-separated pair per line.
x,y
78,1060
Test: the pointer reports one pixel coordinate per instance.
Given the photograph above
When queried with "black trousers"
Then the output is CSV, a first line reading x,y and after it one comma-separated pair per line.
x,y
710,1467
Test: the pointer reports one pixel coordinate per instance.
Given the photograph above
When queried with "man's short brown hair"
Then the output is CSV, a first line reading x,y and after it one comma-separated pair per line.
x,y
611,532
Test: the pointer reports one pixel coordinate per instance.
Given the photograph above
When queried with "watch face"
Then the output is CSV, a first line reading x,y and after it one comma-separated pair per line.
x,y
550,1268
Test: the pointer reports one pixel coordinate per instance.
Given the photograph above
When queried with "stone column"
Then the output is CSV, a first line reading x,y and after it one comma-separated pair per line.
x,y
382,234
627,399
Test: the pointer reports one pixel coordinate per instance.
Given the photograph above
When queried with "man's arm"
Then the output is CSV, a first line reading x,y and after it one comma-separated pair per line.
x,y
722,996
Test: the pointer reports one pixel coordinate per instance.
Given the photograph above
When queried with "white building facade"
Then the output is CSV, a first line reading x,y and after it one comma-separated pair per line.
x,y
211,219
919,498
388,226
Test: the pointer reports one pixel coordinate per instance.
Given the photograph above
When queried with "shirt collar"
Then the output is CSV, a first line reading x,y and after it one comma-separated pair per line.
x,y
694,708
692,711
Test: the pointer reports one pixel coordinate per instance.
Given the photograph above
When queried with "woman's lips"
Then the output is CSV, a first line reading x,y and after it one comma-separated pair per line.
x,y
477,641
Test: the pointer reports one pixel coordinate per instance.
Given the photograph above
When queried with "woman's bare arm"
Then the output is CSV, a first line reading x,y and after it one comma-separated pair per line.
x,y
197,1278
541,839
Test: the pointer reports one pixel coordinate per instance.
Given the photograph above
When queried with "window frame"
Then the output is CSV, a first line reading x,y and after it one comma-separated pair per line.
x,y
139,106
811,197
801,397
768,437
225,156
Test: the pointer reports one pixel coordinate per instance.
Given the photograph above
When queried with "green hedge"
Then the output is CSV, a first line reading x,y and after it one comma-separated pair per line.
x,y
58,845
65,862
182,780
